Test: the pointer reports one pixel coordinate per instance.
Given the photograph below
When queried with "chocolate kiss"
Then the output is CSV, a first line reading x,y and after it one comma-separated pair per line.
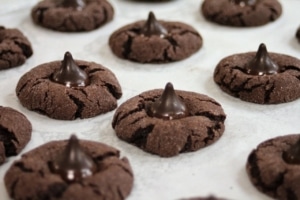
x,y
168,106
262,64
292,156
70,74
153,27
244,2
73,3
298,34
73,164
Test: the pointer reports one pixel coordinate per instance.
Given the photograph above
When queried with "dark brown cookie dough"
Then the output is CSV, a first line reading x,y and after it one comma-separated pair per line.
x,y
180,42
31,176
265,89
203,125
36,91
15,132
238,13
93,14
14,48
270,173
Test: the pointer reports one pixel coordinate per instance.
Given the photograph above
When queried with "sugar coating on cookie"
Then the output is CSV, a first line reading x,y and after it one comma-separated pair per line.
x,y
273,87
241,13
15,48
15,132
165,136
38,91
72,17
270,173
177,41
31,176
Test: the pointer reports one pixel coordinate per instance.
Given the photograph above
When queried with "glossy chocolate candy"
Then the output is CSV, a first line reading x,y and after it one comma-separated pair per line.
x,y
298,34
292,155
79,4
169,106
153,27
73,164
244,2
262,64
70,74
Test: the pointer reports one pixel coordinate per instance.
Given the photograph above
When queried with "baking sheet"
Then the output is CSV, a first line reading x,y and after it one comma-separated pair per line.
x,y
218,169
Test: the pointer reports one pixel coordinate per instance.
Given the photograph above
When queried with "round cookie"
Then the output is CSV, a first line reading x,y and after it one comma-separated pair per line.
x,y
15,132
279,86
270,173
15,48
199,123
38,91
72,15
34,177
155,41
241,13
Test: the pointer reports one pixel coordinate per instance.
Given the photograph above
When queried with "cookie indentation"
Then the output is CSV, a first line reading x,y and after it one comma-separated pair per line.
x,y
112,179
272,88
165,42
203,126
37,91
270,173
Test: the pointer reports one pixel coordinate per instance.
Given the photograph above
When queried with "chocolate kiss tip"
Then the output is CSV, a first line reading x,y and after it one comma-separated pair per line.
x,y
262,47
73,138
70,73
262,64
151,15
153,27
169,106
73,164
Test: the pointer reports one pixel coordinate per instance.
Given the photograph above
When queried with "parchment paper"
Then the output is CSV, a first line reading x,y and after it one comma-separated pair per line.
x,y
218,169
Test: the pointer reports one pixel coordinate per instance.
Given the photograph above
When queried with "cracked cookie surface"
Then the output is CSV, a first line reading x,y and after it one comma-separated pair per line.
x,y
15,48
267,89
36,91
94,14
203,126
31,178
269,172
226,12
15,132
181,42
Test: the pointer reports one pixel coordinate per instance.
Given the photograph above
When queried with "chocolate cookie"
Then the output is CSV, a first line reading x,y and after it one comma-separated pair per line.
x,y
15,132
160,122
155,41
241,13
14,48
274,167
72,15
71,169
70,89
298,34
261,77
